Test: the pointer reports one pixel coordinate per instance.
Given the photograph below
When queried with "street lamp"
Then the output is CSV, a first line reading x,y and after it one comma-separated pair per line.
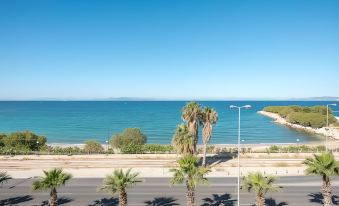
x,y
239,109
107,147
327,123
298,144
37,147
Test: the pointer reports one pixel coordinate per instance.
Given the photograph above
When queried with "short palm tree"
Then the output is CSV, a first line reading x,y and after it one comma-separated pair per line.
x,y
193,175
191,114
4,177
182,140
260,184
51,181
118,182
326,166
208,118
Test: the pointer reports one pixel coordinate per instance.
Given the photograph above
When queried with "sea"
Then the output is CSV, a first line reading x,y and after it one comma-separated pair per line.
x,y
73,122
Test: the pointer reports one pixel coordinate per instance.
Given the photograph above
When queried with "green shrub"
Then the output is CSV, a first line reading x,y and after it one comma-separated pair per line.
x,y
321,109
24,139
315,120
128,136
273,109
157,148
93,146
273,148
132,149
284,112
2,139
66,150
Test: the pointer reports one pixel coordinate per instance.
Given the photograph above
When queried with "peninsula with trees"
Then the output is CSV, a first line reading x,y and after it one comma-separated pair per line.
x,y
314,119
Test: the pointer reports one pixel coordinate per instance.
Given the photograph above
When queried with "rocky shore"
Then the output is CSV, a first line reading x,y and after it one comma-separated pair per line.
x,y
331,132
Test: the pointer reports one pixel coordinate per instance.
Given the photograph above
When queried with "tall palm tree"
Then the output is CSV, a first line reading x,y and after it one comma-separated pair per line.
x,y
118,182
182,140
326,166
4,177
191,114
193,175
260,184
51,181
208,118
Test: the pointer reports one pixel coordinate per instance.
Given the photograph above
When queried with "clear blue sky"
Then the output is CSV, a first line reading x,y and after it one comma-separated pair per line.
x,y
169,48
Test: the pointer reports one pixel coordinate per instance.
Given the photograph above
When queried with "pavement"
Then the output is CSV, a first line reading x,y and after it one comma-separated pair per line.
x,y
296,191
151,165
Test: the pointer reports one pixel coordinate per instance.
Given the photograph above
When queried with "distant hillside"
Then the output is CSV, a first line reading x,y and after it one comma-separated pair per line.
x,y
325,98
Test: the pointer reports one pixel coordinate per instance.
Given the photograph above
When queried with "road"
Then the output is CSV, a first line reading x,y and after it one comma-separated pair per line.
x,y
297,191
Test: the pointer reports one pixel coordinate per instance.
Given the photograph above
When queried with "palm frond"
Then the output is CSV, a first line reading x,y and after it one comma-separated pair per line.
x,y
52,179
4,177
119,180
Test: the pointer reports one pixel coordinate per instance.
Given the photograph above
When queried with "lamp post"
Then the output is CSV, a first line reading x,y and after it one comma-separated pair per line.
x,y
106,147
297,144
239,109
37,147
327,122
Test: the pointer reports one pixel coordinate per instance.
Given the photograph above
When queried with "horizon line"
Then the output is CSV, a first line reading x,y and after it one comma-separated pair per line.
x,y
325,98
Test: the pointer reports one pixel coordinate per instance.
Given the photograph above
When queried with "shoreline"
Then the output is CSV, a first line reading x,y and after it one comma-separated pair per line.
x,y
330,132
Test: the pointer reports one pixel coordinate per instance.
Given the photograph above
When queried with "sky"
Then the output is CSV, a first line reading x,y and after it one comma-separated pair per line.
x,y
169,49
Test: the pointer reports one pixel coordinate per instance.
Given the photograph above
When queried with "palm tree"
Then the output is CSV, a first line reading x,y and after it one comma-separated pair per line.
x,y
182,140
190,172
326,166
118,182
208,118
260,184
53,179
191,114
4,177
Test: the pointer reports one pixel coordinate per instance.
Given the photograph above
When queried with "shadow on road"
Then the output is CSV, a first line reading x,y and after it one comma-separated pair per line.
x,y
61,201
162,201
15,200
318,198
106,202
18,183
220,157
219,200
273,202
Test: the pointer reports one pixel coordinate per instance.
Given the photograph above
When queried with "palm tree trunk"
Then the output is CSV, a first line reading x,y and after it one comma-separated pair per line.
x,y
190,196
193,128
53,200
260,200
123,198
204,158
327,191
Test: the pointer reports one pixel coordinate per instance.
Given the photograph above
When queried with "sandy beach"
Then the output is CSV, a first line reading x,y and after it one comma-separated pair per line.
x,y
331,132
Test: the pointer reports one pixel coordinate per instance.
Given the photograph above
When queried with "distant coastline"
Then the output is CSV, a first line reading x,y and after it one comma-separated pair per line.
x,y
325,98
327,132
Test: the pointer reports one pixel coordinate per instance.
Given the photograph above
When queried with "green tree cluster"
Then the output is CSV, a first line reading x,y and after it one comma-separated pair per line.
x,y
25,140
130,136
93,146
315,116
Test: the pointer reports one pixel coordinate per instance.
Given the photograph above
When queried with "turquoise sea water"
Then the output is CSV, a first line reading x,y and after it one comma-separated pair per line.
x,y
77,121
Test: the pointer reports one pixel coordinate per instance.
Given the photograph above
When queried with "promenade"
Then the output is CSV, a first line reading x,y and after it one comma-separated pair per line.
x,y
151,165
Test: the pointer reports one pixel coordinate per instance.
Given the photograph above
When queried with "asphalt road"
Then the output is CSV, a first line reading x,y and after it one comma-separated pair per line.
x,y
297,191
